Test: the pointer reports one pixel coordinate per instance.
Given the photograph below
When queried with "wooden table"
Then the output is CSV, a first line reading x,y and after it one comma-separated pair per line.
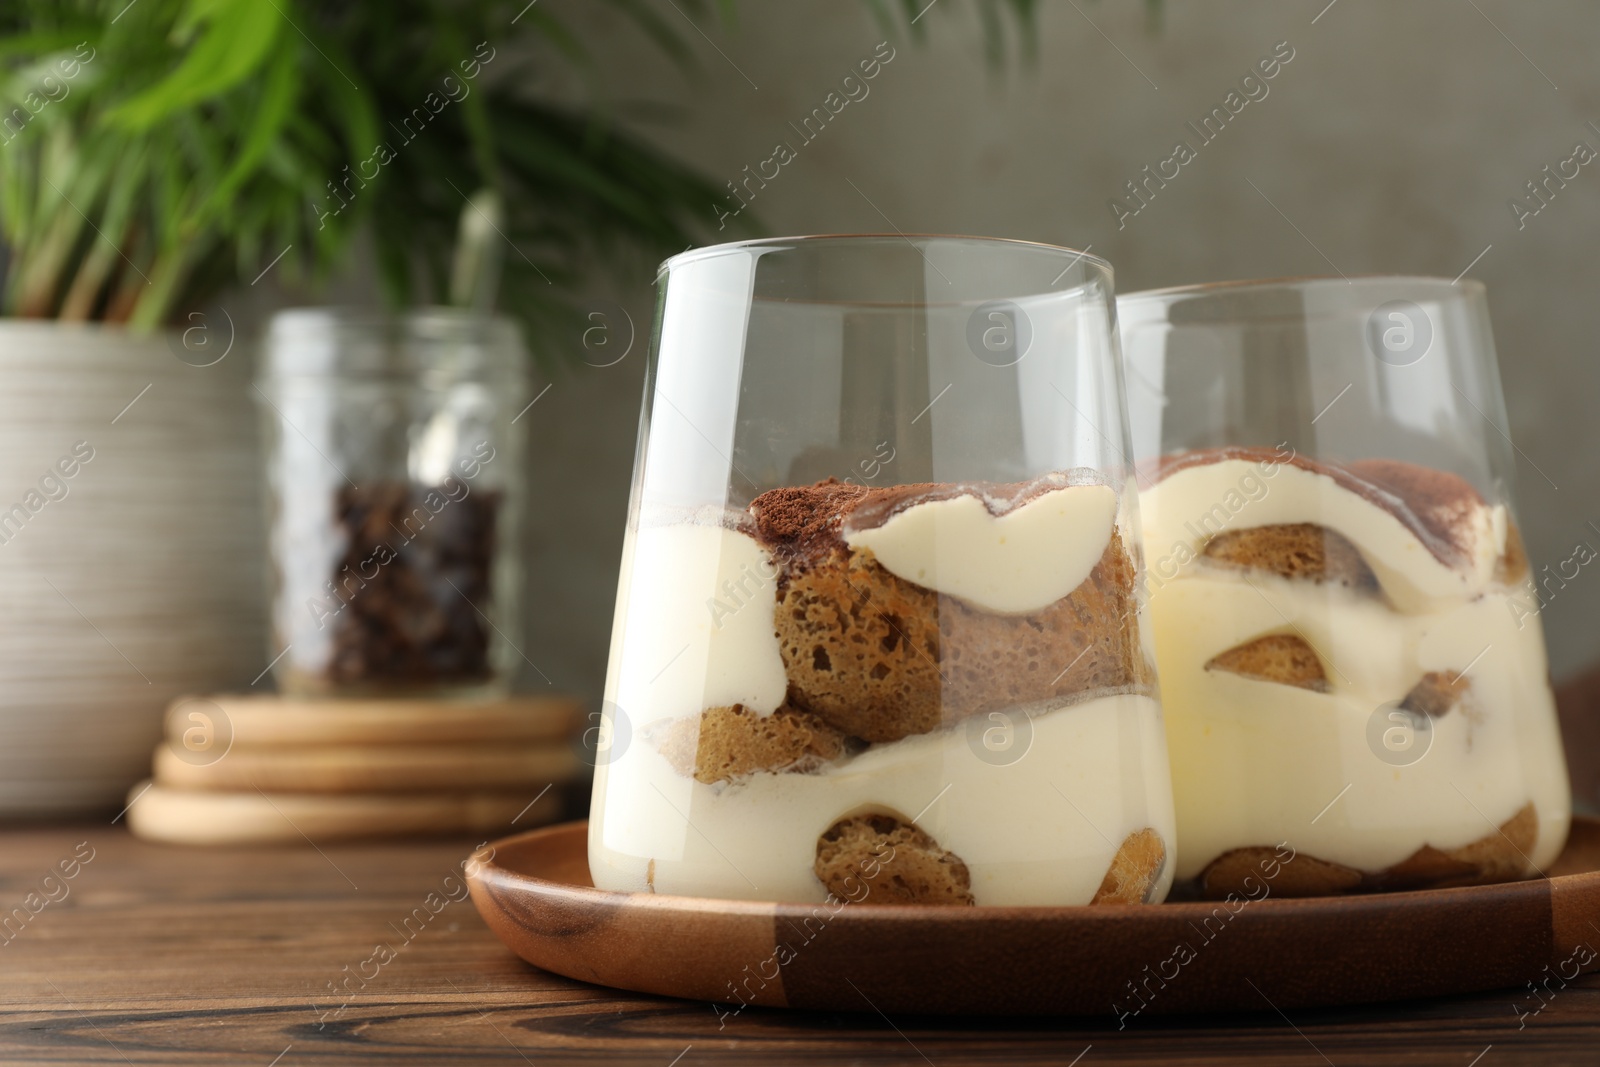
x,y
166,955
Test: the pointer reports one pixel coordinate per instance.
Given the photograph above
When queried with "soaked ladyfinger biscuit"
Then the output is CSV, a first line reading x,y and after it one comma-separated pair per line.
x,y
1282,658
1436,693
1300,550
1499,856
1298,876
897,862
882,658
1503,855
1134,870
728,743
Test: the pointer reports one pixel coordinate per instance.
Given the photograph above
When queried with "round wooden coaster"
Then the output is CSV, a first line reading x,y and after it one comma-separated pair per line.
x,y
380,769
179,816
271,721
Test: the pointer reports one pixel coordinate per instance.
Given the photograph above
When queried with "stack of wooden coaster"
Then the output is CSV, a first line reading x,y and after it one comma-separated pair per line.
x,y
240,769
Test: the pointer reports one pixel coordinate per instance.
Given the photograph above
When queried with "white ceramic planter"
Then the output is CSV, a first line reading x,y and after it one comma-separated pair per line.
x,y
142,579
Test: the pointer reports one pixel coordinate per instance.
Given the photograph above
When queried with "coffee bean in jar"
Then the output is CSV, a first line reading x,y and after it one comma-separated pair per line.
x,y
393,460
414,579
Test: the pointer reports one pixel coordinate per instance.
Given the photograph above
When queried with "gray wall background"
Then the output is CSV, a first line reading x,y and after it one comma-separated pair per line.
x,y
1393,140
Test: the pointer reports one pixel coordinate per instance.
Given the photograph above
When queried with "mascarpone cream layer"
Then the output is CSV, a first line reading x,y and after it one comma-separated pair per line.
x,y
1014,564
1257,763
1041,830
694,629
1182,511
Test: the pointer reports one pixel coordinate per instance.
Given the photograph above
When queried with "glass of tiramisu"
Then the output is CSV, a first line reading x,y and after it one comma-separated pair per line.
x,y
1352,663
877,635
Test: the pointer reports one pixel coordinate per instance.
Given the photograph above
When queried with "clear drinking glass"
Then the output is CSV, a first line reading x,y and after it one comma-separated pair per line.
x,y
394,466
1352,663
875,634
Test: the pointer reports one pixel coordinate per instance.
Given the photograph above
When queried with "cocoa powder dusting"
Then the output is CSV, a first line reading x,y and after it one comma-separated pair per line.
x,y
801,524
1440,500
1434,504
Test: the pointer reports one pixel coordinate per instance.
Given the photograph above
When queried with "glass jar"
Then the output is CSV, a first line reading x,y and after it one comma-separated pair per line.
x,y
876,634
1351,658
394,463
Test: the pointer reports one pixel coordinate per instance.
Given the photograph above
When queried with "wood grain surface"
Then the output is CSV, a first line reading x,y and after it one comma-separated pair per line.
x,y
156,954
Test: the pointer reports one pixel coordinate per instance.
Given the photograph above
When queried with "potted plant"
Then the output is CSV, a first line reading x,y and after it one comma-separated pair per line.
x,y
154,155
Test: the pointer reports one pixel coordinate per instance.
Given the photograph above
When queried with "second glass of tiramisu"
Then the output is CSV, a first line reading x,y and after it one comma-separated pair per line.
x,y
1351,657
877,635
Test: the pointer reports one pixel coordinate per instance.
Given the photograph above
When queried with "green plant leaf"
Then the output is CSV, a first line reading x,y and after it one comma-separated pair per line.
x,y
277,101
46,43
207,136
237,38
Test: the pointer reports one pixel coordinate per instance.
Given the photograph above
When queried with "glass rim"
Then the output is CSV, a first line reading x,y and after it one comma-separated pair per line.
x,y
1300,281
706,251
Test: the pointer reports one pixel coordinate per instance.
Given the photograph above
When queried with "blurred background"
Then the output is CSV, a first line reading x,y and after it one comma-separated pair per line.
x,y
1391,142
1392,138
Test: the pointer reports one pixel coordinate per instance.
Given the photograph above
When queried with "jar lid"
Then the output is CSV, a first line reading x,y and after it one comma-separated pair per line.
x,y
424,343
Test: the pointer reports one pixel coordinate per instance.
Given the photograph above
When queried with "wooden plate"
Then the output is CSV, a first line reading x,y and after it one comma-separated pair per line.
x,y
534,892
